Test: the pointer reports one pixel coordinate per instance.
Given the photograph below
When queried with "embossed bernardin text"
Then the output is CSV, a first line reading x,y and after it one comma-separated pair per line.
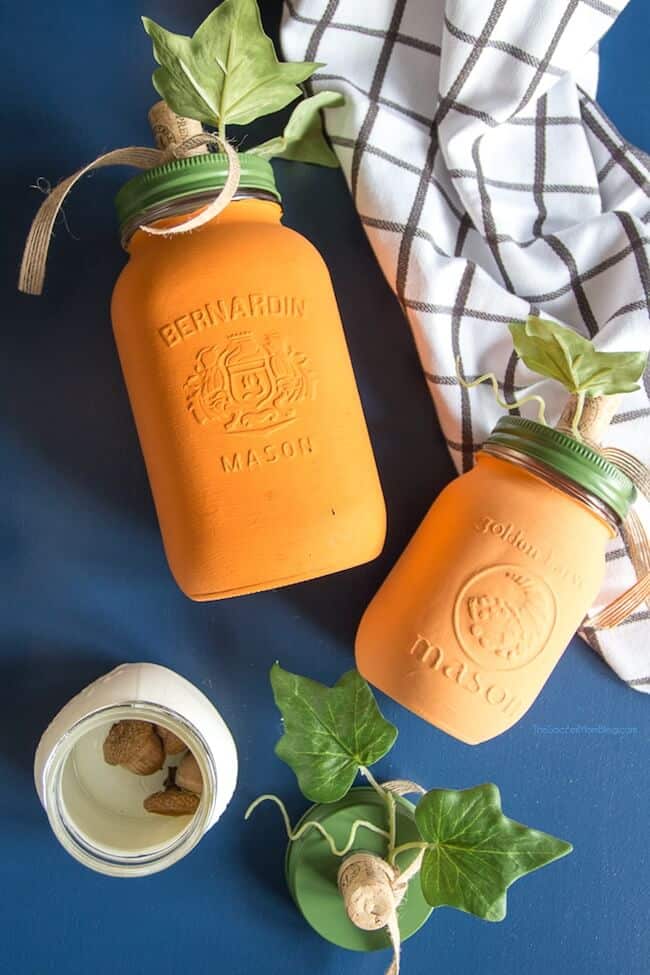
x,y
433,657
255,459
515,536
224,310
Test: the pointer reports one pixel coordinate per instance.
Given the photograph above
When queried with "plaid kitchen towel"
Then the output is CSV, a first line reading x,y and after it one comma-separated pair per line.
x,y
491,185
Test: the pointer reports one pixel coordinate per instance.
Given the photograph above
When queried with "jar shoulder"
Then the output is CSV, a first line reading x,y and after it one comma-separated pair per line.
x,y
495,493
232,252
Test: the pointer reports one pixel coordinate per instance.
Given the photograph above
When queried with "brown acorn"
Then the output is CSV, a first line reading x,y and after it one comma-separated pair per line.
x,y
188,775
135,746
171,742
172,801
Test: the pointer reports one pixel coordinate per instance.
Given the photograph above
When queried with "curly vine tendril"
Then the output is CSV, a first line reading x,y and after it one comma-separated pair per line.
x,y
541,405
294,835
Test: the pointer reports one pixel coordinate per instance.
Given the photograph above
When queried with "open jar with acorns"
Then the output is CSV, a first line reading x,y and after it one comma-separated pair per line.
x,y
134,770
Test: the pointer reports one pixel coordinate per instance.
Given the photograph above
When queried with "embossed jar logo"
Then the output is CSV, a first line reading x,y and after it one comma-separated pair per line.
x,y
504,616
248,384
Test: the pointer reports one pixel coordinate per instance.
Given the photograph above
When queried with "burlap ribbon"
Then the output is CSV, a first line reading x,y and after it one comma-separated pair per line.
x,y
32,268
373,889
635,536
597,415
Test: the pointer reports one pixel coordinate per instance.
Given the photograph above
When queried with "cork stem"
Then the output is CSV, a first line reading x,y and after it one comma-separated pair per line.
x,y
588,417
171,130
370,891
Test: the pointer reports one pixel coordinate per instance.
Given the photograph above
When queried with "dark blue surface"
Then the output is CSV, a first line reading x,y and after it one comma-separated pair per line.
x,y
85,584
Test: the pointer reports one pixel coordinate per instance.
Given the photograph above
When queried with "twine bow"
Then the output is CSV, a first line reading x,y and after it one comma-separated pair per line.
x,y
635,536
597,415
373,889
32,268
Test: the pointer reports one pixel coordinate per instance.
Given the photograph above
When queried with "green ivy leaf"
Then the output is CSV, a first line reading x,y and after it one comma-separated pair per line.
x,y
303,139
560,353
228,71
475,852
329,732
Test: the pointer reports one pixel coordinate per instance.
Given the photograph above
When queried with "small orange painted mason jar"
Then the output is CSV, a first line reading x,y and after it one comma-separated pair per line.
x,y
241,387
484,600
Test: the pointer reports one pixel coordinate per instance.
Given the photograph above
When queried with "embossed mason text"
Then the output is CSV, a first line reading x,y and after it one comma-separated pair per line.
x,y
432,657
256,458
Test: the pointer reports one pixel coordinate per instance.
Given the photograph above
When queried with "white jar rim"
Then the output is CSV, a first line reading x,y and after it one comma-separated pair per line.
x,y
94,855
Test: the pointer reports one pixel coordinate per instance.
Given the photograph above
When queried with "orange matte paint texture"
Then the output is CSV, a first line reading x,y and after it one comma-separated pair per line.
x,y
484,600
246,405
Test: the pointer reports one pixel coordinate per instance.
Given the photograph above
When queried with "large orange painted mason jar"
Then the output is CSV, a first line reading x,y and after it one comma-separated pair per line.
x,y
484,600
241,387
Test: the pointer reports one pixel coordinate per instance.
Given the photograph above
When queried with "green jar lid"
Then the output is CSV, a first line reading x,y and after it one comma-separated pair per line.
x,y
311,868
187,177
569,457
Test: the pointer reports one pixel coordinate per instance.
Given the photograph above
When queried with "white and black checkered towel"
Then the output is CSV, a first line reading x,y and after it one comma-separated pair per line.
x,y
490,185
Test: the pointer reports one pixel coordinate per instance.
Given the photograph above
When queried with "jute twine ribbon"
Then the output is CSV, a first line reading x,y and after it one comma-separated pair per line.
x,y
373,889
597,415
636,540
32,269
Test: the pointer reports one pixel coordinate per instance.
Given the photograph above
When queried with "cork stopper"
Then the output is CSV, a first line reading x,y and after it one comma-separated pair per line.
x,y
597,414
171,130
370,890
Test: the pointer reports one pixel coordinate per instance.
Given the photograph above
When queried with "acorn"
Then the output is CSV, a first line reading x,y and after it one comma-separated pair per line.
x,y
188,775
135,746
172,800
172,744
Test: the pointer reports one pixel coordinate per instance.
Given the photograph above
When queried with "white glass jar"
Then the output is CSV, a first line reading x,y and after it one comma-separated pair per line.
x,y
95,809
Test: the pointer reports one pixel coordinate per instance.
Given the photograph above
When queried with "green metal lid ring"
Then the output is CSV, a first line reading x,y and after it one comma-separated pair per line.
x,y
571,458
189,176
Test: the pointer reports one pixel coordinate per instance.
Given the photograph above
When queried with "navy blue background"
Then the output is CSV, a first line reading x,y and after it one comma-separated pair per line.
x,y
85,585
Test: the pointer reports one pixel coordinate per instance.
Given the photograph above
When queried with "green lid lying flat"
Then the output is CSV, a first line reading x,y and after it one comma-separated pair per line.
x,y
311,868
188,176
569,457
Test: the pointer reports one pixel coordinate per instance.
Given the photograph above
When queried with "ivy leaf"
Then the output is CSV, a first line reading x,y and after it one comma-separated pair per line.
x,y
475,852
228,71
303,139
329,732
560,353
